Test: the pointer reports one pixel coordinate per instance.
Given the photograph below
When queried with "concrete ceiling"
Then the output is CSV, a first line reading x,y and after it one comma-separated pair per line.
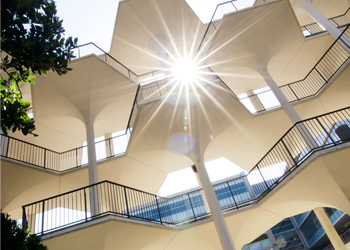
x,y
147,32
247,40
181,126
92,90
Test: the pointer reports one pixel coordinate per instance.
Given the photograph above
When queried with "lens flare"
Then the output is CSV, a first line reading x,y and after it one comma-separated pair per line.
x,y
185,70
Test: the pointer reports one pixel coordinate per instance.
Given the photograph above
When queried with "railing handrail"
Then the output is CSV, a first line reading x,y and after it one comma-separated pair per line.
x,y
47,149
235,205
133,105
323,56
31,144
346,12
211,20
109,55
92,185
291,128
293,86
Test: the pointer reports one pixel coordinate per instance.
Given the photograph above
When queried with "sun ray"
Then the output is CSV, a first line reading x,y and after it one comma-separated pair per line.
x,y
157,110
202,107
167,30
217,103
172,119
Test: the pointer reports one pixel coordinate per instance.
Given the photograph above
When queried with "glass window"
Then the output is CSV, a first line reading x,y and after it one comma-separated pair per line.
x,y
300,218
312,229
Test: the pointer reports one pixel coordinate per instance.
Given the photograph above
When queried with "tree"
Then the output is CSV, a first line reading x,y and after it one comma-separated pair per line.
x,y
31,43
15,238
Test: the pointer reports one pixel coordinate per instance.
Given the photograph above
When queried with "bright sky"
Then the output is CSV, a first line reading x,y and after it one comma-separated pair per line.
x,y
93,21
89,20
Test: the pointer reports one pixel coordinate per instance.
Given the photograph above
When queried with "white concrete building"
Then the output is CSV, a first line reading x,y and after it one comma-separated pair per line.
x,y
273,98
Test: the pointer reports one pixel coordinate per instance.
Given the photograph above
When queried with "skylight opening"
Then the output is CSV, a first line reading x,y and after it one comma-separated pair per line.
x,y
178,181
100,149
247,102
268,173
119,142
267,98
306,33
222,168
185,179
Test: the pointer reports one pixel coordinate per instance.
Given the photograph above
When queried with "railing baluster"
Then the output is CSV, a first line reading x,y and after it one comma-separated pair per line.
x,y
194,215
320,74
268,188
324,129
85,204
293,92
233,197
45,158
110,146
42,222
24,218
289,153
8,144
126,203
76,157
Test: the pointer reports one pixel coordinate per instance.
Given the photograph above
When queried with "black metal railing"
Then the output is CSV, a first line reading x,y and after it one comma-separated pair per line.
x,y
316,80
313,29
21,151
152,76
236,5
91,48
298,143
82,204
295,146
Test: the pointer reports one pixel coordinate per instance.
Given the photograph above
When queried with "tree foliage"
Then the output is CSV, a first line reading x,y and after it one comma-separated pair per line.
x,y
31,37
15,238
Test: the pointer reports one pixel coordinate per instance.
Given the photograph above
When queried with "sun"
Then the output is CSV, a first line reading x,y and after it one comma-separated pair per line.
x,y
185,70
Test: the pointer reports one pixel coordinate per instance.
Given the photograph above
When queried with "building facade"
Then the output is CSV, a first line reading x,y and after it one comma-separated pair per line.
x,y
272,97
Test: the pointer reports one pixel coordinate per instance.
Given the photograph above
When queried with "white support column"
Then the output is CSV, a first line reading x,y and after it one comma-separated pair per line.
x,y
90,138
202,192
332,234
217,215
205,183
288,108
292,114
272,240
92,167
109,145
321,19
